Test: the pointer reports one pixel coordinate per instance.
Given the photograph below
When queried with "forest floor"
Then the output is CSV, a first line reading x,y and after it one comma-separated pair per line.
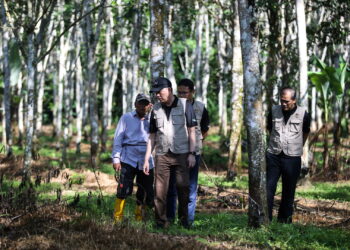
x,y
73,206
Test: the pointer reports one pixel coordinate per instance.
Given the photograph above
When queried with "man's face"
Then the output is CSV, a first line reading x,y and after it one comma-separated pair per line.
x,y
164,95
287,101
185,92
143,107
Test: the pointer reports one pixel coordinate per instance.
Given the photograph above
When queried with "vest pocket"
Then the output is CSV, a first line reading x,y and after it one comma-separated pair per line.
x,y
295,126
178,119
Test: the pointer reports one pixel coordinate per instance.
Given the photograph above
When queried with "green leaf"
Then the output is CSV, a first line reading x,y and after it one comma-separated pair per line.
x,y
319,64
318,79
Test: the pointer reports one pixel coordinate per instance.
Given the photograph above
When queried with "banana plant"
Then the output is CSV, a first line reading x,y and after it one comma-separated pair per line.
x,y
331,83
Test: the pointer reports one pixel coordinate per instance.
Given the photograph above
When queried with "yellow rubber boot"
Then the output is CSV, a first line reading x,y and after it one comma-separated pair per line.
x,y
119,210
138,213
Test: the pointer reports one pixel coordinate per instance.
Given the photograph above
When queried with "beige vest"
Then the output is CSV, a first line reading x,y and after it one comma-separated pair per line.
x,y
172,134
198,108
286,137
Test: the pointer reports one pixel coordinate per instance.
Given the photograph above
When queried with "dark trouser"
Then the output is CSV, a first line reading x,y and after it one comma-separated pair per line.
x,y
289,167
166,165
172,194
145,193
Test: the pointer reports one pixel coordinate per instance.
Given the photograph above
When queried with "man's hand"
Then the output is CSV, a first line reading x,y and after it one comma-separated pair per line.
x,y
117,166
146,168
304,170
191,160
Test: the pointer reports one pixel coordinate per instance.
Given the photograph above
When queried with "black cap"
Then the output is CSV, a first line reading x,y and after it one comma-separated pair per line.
x,y
159,84
141,97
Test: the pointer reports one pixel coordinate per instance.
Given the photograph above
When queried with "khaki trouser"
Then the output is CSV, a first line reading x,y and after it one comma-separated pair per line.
x,y
166,164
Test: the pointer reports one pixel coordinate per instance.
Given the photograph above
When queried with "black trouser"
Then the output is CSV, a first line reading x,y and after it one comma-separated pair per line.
x,y
289,167
144,185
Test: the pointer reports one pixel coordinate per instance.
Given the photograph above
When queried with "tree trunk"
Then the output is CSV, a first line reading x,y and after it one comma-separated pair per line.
x,y
303,82
235,152
7,84
254,120
91,37
157,38
168,32
79,93
206,67
30,102
20,112
107,78
67,97
223,66
198,52
273,70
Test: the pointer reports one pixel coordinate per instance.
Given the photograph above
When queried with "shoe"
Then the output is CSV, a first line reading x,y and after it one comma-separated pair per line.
x,y
162,225
118,210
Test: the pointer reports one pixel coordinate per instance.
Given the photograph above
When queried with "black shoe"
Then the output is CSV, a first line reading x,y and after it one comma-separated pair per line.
x,y
162,225
185,224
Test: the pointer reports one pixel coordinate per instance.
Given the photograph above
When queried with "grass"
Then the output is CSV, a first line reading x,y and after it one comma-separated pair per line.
x,y
326,191
213,228
240,182
232,228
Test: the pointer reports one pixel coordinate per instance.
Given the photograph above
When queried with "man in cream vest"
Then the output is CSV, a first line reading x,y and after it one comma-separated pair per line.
x,y
185,89
172,134
289,126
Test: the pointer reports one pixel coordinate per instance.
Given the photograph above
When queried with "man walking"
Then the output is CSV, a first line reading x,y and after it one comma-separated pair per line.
x,y
129,148
172,133
289,126
185,89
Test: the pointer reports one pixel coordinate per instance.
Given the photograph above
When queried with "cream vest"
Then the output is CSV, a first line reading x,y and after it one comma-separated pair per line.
x,y
198,108
286,137
171,134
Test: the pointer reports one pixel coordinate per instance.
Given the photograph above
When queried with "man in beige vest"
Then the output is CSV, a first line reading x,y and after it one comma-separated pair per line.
x,y
289,126
172,134
185,89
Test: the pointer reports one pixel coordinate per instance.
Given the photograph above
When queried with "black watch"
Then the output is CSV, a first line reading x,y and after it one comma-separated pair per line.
x,y
193,153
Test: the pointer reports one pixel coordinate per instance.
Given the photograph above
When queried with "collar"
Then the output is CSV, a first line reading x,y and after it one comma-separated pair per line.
x,y
134,114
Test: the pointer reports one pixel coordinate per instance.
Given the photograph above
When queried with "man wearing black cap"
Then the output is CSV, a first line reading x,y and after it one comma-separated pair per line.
x,y
129,148
172,133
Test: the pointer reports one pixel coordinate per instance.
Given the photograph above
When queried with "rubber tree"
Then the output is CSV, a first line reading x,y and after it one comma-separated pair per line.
x,y
157,38
235,152
91,35
253,115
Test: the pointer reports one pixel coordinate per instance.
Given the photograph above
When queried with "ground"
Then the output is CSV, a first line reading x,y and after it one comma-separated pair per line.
x,y
62,219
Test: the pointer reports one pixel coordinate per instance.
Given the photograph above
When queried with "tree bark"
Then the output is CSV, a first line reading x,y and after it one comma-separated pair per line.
x,y
79,93
254,118
7,83
107,78
198,51
223,68
235,152
157,38
303,82
30,102
91,36
168,32
206,68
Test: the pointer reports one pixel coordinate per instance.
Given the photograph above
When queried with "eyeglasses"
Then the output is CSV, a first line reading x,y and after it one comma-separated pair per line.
x,y
183,92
